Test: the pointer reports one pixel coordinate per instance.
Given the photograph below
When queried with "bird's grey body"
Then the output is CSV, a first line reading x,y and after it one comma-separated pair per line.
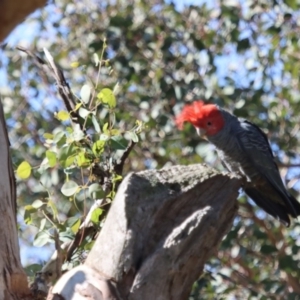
x,y
245,149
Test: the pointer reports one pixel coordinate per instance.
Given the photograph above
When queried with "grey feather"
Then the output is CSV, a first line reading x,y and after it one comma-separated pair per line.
x,y
245,149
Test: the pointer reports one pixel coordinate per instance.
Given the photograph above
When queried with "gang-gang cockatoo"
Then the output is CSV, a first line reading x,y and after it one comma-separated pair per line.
x,y
244,149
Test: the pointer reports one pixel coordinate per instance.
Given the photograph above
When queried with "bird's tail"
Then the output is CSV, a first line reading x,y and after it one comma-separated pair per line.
x,y
278,210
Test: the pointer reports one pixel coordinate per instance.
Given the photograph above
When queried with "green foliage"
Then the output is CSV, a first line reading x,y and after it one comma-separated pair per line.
x,y
69,188
62,115
96,215
106,96
76,148
151,58
24,170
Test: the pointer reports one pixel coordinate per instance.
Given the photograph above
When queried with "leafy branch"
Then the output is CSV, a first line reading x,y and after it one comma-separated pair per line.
x,y
90,146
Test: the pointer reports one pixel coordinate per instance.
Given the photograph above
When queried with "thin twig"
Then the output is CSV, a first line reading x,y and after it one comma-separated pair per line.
x,y
59,261
118,168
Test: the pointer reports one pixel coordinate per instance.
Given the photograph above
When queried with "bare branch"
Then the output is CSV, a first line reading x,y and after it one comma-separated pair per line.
x,y
63,87
118,168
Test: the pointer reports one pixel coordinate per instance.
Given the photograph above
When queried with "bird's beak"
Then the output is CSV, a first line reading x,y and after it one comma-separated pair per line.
x,y
201,132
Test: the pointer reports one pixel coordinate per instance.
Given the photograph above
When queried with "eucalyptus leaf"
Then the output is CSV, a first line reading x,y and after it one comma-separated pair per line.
x,y
69,188
85,93
107,96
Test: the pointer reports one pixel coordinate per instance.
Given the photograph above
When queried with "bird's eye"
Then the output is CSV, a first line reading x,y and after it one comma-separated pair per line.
x,y
208,123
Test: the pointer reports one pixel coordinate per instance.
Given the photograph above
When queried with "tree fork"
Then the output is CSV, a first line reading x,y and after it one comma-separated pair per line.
x,y
161,229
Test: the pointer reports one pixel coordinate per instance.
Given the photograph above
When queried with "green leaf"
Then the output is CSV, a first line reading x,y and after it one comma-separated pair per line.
x,y
59,138
76,226
29,209
82,160
119,20
78,105
41,239
53,207
96,59
85,93
118,142
37,204
287,263
69,161
63,115
70,222
104,137
31,270
43,223
117,178
51,158
88,246
48,136
228,90
98,148
67,155
133,136
106,96
96,124
69,188
24,170
243,45
96,191
116,88
83,113
69,129
105,128
114,132
268,249
239,104
95,215
291,3
75,64
66,236
27,217
44,166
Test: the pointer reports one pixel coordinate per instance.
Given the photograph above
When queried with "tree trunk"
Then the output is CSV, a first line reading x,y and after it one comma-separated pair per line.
x,y
14,12
13,281
161,229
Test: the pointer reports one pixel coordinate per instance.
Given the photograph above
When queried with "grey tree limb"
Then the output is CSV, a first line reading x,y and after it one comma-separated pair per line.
x,y
13,280
161,229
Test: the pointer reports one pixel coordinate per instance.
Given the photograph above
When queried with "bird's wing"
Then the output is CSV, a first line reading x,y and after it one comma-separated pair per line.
x,y
255,145
265,200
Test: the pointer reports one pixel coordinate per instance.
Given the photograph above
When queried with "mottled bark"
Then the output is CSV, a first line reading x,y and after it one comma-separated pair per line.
x,y
161,229
13,12
13,281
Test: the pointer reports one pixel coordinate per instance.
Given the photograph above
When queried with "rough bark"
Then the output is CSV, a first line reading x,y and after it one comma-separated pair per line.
x,y
161,229
13,12
13,281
